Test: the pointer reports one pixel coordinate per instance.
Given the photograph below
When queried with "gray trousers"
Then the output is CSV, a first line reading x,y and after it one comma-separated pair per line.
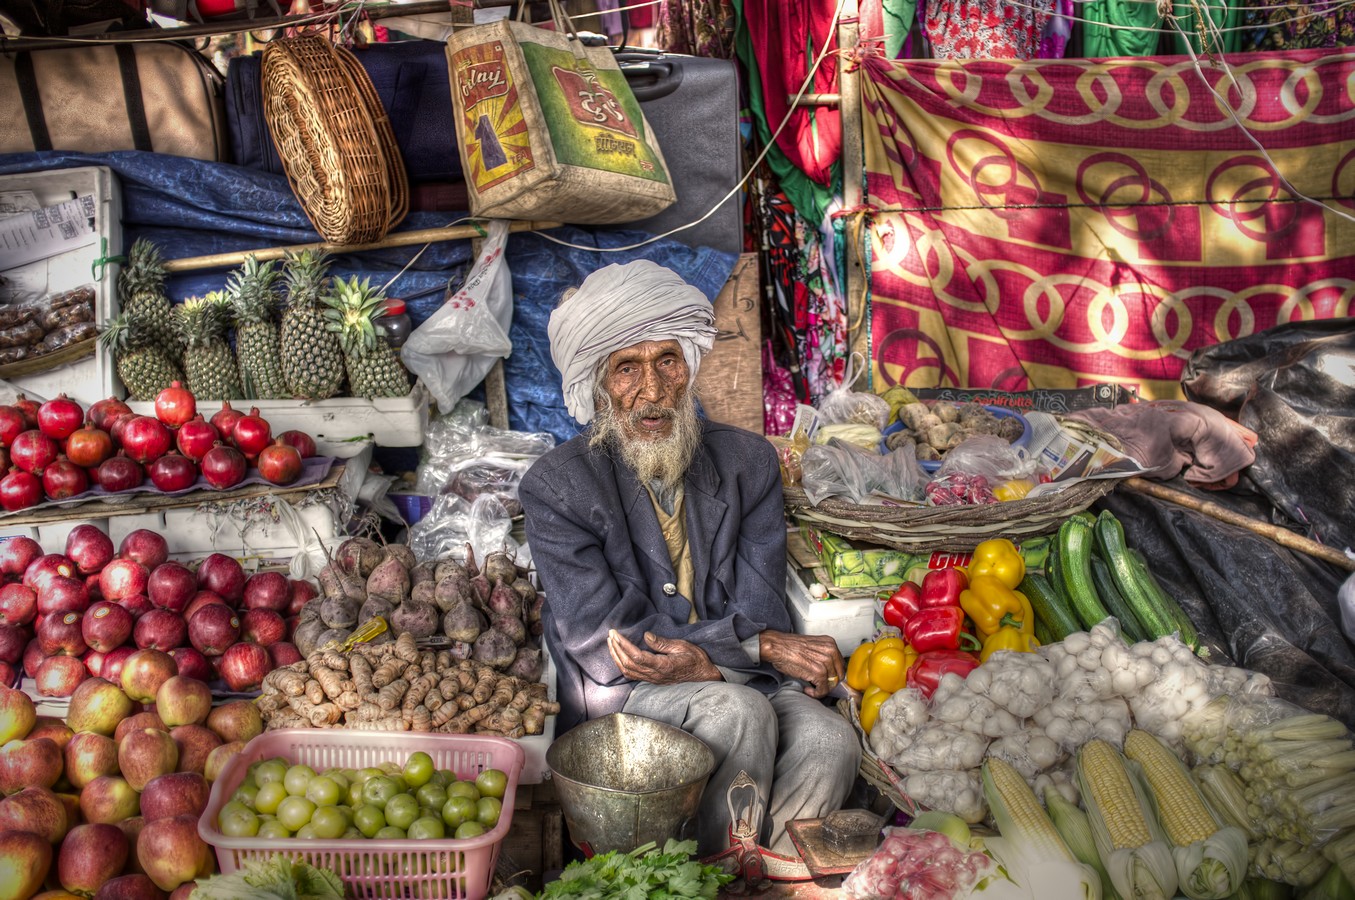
x,y
802,755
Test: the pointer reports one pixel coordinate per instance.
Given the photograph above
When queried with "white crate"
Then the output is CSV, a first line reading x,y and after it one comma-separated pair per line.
x,y
534,746
849,622
51,535
85,380
340,425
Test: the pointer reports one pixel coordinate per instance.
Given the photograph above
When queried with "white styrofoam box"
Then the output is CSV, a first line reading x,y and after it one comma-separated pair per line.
x,y
341,426
849,622
51,535
85,380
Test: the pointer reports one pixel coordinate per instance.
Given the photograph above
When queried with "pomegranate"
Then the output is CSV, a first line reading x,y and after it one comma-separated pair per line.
x,y
146,439
63,480
20,490
16,554
90,548
144,546
224,467
173,472
12,424
225,418
223,576
196,437
89,446
280,463
33,451
118,473
120,425
171,586
103,413
175,405
251,433
59,418
304,443
29,407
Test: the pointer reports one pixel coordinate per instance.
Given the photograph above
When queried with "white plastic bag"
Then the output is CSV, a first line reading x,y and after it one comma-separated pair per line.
x,y
456,347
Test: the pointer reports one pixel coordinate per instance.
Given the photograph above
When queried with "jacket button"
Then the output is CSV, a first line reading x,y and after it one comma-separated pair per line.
x,y
670,589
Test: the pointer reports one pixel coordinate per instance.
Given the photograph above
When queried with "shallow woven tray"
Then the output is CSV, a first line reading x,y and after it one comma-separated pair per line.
x,y
334,139
877,773
920,528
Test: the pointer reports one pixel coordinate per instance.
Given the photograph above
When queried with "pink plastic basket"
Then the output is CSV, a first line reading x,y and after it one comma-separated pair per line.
x,y
447,869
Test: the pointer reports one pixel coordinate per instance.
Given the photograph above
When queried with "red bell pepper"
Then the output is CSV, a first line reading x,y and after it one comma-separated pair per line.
x,y
942,587
902,605
938,628
926,673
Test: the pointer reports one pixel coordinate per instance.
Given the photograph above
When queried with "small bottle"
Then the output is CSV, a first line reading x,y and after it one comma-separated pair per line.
x,y
396,322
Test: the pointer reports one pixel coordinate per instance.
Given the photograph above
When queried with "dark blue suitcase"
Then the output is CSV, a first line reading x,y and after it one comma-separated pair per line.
x,y
411,80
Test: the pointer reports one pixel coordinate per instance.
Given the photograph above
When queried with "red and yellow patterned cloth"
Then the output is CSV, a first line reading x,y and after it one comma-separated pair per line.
x,y
1050,223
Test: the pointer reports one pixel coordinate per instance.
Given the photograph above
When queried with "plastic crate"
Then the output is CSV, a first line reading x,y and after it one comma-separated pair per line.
x,y
849,622
447,869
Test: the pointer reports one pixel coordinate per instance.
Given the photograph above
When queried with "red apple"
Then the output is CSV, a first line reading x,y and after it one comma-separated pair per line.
x,y
89,756
136,886
196,743
147,754
45,567
192,664
60,594
267,590
136,604
106,625
219,758
144,672
18,715
213,628
33,657
260,626
98,705
25,859
284,653
183,701
243,666
13,639
201,599
35,762
62,634
237,721
172,586
161,629
122,578
16,554
146,547
110,799
18,604
172,853
91,855
302,592
175,794
113,662
139,722
224,575
90,548
37,810
59,676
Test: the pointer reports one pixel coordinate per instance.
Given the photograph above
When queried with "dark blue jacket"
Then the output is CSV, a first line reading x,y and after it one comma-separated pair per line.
x,y
602,562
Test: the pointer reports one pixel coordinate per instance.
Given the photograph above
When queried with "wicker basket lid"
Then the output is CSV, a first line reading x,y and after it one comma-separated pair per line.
x,y
334,139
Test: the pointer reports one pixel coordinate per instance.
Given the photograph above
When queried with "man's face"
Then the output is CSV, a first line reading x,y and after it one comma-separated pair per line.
x,y
646,382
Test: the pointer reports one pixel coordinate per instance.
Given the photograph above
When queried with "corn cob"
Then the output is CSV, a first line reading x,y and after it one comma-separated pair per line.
x,y
1211,858
1129,839
1075,828
1030,848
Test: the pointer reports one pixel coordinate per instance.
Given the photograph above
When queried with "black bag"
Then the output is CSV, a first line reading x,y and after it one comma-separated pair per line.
x,y
411,81
692,104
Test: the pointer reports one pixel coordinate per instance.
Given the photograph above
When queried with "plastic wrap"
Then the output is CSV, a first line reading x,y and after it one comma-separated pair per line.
x,y
778,395
453,522
843,405
790,449
942,747
960,793
1029,751
1020,683
843,470
917,865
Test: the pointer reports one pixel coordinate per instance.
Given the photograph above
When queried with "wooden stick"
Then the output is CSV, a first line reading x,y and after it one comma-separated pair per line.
x,y
1282,536
397,239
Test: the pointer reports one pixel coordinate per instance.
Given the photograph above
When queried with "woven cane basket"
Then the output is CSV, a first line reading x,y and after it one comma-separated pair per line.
x,y
334,139
877,773
921,528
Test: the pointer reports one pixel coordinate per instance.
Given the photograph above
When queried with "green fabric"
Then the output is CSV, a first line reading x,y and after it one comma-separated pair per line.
x,y
1099,41
1222,14
898,21
811,199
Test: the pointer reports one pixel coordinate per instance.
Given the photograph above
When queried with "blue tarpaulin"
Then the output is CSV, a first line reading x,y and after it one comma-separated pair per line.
x,y
190,207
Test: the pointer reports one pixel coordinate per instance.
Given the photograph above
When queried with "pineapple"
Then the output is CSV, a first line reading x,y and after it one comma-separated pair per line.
x,y
207,359
312,361
142,365
256,334
141,292
374,369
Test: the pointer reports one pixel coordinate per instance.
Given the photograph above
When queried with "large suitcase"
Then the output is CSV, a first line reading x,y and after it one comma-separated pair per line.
x,y
411,81
692,103
161,97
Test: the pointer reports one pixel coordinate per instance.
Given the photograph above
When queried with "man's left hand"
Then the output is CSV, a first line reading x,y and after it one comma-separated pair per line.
x,y
671,661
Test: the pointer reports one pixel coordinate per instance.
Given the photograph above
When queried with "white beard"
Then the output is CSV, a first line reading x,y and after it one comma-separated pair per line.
x,y
664,460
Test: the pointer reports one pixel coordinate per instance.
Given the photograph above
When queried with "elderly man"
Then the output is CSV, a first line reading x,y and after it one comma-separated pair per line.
x,y
660,542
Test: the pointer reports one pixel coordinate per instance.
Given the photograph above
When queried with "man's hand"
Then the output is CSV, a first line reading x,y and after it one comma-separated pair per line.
x,y
812,658
671,662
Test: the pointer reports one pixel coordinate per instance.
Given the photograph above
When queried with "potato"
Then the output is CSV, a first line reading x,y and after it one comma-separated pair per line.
x,y
494,648
463,622
419,619
389,580
338,612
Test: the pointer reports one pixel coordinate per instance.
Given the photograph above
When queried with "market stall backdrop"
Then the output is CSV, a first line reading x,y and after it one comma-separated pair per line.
x,y
1048,223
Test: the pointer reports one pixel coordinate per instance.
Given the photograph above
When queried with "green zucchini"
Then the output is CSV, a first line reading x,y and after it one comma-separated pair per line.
x,y
1154,619
1050,610
1042,633
1184,627
1115,602
1075,571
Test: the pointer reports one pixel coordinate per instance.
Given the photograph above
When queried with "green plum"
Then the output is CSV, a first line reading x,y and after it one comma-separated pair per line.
x,y
492,783
295,812
418,769
369,819
246,793
241,823
329,822
297,779
427,828
389,832
487,811
431,794
457,810
401,810
272,828
463,789
269,796
323,791
469,830
379,789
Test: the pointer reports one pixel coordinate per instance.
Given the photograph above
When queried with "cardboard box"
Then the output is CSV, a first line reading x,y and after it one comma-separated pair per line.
x,y
729,382
849,622
857,565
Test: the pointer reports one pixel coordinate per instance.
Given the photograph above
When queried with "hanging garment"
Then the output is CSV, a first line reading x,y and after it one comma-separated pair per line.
x,y
1323,25
1219,22
1135,32
1057,29
985,29
898,22
698,27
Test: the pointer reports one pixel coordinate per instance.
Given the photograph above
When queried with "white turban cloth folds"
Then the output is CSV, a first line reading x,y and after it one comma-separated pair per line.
x,y
619,306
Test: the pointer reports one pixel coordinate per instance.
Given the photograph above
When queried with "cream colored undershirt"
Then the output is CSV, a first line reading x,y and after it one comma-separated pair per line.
x,y
674,527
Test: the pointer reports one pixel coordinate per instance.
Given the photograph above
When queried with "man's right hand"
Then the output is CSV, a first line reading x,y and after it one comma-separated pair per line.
x,y
811,658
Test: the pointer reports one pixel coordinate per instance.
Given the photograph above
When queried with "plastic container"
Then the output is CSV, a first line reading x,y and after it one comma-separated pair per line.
x,y
447,869
396,322
849,622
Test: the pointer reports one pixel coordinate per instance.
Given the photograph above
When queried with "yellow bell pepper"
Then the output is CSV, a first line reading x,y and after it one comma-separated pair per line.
x,y
889,667
1016,489
1007,638
870,706
1000,558
858,666
993,605
892,640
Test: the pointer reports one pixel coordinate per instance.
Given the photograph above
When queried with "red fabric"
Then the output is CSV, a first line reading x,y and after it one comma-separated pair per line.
x,y
786,39
1050,223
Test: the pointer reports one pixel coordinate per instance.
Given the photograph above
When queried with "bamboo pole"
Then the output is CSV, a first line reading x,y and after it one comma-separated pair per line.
x,y
1281,536
397,239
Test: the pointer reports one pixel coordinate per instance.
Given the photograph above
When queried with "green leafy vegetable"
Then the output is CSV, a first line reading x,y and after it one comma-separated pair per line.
x,y
277,879
643,874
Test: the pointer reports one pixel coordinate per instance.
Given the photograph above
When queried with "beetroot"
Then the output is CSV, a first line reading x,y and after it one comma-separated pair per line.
x,y
504,601
375,606
527,665
424,592
359,556
339,612
389,580
495,649
463,622
499,568
422,572
403,554
419,619
511,626
452,589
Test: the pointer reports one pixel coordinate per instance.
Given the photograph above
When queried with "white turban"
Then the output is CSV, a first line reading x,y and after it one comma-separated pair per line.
x,y
619,306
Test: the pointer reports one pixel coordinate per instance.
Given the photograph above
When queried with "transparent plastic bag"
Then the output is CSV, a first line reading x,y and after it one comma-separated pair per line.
x,y
990,456
836,469
912,864
846,406
789,450
1030,751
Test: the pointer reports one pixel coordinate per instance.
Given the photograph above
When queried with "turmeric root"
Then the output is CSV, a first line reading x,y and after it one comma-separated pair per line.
x,y
406,648
320,715
484,685
286,720
466,720
501,720
367,709
421,719
315,693
386,672
361,669
330,680
419,689
348,700
285,681
389,696
394,723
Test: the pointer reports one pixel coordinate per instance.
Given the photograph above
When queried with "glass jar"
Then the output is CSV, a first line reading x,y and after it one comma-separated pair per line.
x,y
396,322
